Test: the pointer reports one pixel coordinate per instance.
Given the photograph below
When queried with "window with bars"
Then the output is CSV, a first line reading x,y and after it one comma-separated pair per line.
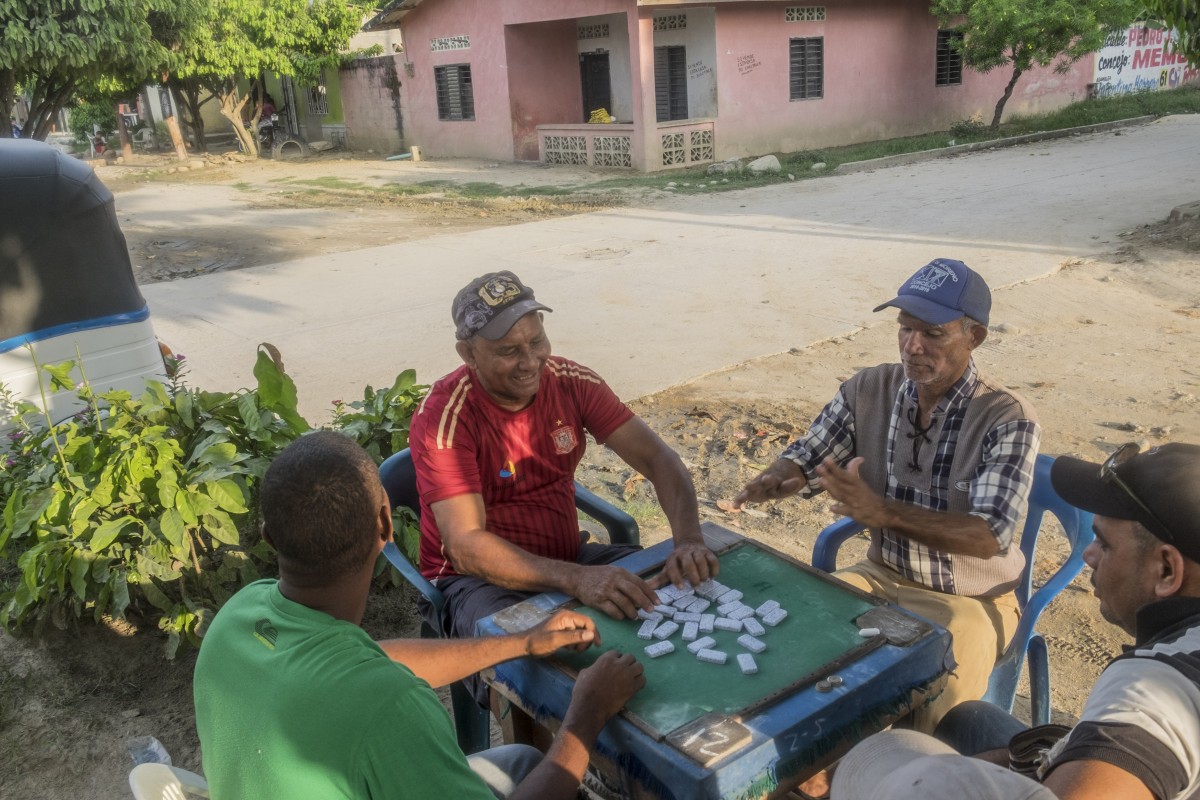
x,y
455,100
318,99
807,68
670,83
949,58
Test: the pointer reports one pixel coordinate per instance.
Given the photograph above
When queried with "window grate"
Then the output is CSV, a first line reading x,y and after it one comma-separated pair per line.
x,y
672,149
807,68
612,151
450,43
670,83
318,100
670,22
949,58
455,99
565,150
702,146
597,31
804,14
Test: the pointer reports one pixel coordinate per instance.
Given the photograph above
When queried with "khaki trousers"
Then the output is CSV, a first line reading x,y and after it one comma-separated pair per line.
x,y
981,627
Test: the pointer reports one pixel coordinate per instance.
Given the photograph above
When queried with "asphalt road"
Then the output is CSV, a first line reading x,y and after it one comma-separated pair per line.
x,y
653,297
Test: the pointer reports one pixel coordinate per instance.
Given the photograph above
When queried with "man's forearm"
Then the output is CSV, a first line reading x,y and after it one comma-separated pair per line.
x,y
677,497
947,531
442,661
485,555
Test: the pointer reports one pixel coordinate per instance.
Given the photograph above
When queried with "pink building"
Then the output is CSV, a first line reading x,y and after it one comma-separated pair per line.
x,y
686,82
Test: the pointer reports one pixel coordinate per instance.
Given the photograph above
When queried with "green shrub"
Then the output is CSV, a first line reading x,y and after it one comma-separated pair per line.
x,y
149,504
100,112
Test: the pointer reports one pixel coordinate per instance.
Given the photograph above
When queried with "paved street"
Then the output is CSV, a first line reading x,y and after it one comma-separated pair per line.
x,y
654,297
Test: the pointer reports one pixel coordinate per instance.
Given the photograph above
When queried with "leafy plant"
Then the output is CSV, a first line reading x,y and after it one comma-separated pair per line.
x,y
379,422
148,504
99,115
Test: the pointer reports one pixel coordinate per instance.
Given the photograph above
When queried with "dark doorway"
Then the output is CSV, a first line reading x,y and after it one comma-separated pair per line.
x,y
597,88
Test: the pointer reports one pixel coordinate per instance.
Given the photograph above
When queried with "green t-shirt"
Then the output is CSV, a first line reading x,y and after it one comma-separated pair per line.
x,y
292,703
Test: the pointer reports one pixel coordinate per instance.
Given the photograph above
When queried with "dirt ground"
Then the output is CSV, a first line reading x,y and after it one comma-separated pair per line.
x,y
1105,348
326,204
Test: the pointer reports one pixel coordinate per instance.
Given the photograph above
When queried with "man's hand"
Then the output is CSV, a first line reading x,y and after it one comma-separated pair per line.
x,y
564,629
692,562
855,499
781,479
607,685
613,590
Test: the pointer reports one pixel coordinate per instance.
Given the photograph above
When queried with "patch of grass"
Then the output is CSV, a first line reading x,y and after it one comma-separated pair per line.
x,y
1184,100
330,182
647,512
242,186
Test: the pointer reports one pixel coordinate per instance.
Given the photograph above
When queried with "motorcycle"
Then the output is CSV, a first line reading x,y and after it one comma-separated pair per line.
x,y
275,141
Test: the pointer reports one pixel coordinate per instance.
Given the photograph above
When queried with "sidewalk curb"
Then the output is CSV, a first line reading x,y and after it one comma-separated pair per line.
x,y
928,155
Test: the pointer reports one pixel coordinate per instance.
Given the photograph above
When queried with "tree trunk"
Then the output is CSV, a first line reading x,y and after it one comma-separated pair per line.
x,y
172,122
123,135
188,91
47,101
8,97
1008,90
231,109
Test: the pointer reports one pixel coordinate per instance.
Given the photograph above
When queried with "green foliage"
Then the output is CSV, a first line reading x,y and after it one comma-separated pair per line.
x,y
242,39
379,422
148,504
1021,35
1183,16
90,115
55,47
968,128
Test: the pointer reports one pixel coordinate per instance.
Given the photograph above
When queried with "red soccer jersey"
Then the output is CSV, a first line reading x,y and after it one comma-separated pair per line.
x,y
521,462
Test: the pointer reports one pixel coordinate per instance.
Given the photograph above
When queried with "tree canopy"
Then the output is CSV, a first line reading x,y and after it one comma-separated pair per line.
x,y
1021,35
1184,17
53,48
242,39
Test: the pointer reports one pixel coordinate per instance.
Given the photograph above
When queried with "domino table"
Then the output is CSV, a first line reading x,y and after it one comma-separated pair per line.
x,y
840,665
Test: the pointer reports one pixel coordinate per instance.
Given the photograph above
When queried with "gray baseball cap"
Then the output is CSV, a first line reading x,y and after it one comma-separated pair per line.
x,y
491,304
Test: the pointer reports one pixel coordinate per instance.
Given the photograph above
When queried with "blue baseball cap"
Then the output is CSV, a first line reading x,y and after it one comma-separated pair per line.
x,y
942,291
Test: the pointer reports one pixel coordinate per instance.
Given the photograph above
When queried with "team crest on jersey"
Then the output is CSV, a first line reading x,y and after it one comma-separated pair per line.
x,y
564,439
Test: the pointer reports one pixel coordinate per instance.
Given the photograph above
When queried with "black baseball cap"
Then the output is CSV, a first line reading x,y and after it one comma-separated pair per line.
x,y
491,304
1159,488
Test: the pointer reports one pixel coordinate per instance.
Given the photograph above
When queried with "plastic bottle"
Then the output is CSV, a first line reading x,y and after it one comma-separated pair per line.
x,y
147,749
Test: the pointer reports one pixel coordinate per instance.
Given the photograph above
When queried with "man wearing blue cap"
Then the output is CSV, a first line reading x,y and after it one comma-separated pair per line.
x,y
937,460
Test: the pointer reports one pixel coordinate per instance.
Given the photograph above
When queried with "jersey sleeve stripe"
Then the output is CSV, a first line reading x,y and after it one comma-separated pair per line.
x,y
449,421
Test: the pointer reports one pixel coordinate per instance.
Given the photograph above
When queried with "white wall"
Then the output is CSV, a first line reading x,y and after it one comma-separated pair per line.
x,y
700,40
616,44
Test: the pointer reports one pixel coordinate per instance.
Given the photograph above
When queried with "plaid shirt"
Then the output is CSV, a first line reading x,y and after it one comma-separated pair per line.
x,y
998,493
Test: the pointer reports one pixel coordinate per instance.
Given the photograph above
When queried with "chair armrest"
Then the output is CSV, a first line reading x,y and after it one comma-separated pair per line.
x,y
411,574
622,528
830,539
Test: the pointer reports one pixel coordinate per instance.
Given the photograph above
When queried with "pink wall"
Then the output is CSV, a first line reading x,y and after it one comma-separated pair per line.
x,y
543,87
371,101
879,76
491,134
879,79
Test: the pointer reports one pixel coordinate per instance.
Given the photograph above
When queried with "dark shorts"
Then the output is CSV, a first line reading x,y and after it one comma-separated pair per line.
x,y
469,600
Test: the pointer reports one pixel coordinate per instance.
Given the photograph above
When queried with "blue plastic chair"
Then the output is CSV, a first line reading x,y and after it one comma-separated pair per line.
x,y
399,477
1026,643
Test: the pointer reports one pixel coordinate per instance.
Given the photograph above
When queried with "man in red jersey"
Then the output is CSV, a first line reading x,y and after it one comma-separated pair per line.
x,y
496,444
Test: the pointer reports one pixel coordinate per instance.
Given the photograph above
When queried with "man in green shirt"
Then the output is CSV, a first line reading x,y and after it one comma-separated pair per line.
x,y
293,699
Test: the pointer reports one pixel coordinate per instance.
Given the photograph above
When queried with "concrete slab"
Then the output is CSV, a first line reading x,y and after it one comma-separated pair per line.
x,y
652,297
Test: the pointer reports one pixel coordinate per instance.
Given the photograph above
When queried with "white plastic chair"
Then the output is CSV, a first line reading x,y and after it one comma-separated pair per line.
x,y
152,781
